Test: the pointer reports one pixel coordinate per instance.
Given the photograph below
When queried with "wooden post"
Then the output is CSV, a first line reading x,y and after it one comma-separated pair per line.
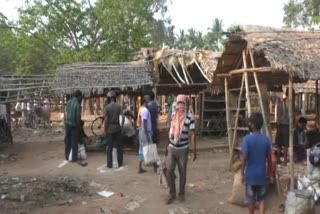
x,y
291,125
266,127
227,99
317,102
202,113
245,65
236,120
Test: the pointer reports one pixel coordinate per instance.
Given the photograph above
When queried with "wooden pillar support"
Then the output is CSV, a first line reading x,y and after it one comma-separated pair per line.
x,y
245,66
227,100
291,125
317,102
264,115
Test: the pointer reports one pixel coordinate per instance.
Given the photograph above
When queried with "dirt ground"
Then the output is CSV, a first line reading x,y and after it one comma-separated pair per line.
x,y
32,182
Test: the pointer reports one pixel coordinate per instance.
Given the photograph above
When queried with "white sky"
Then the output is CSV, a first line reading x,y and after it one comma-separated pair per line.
x,y
199,14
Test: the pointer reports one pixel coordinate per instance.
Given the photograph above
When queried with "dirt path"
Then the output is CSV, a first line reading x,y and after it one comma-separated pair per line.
x,y
209,184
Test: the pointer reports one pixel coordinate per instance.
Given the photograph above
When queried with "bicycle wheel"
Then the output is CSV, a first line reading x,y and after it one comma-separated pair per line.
x,y
97,126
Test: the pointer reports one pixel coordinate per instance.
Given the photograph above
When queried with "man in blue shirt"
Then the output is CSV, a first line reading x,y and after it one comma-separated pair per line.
x,y
256,153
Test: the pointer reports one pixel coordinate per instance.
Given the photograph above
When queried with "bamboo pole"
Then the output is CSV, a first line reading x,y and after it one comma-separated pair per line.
x,y
227,98
236,120
184,73
245,65
202,113
291,125
202,72
266,127
180,78
317,102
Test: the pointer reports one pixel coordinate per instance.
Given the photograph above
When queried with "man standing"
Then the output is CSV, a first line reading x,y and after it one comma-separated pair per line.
x,y
112,128
282,136
72,125
154,108
256,153
145,131
182,125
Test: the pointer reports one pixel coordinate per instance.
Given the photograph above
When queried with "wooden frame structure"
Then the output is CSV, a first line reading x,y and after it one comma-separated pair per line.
x,y
255,60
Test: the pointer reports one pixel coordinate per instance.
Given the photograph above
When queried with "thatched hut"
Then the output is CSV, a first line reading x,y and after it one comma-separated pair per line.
x,y
257,59
177,71
93,79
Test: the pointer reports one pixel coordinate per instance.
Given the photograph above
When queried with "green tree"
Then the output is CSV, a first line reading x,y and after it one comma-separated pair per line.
x,y
78,30
302,13
214,37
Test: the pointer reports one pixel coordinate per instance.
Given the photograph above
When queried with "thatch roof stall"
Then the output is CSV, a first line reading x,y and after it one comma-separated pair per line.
x,y
279,52
177,71
93,79
257,58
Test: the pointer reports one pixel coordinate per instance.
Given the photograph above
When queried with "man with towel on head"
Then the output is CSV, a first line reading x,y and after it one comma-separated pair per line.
x,y
182,125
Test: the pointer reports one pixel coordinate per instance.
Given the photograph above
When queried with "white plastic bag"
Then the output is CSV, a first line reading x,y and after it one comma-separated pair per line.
x,y
299,202
70,155
115,158
82,155
128,129
150,154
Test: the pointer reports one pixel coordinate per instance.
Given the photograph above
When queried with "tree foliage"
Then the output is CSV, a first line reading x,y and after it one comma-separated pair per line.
x,y
49,33
193,39
302,13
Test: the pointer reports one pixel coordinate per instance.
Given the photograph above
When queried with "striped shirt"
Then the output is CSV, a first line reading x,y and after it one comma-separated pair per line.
x,y
189,125
73,112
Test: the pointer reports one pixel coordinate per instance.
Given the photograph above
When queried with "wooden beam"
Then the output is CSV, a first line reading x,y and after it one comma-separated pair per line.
x,y
236,120
243,70
227,99
175,69
202,72
266,127
175,85
291,125
173,77
317,102
184,73
244,56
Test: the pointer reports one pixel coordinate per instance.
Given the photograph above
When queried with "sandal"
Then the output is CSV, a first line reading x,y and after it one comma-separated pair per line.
x,y
170,199
141,171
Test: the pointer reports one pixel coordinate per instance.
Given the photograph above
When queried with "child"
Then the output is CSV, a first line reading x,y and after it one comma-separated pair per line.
x,y
299,140
256,153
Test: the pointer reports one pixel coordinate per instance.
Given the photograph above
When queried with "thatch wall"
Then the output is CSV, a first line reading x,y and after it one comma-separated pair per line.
x,y
198,65
93,79
290,53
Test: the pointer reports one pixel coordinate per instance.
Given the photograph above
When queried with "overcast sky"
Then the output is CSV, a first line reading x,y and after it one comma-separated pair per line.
x,y
199,14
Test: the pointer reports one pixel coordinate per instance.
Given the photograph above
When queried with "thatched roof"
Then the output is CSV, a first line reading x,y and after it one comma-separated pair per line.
x,y
290,53
191,70
92,79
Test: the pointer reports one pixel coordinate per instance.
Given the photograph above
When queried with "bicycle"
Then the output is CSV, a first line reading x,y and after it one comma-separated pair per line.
x,y
97,125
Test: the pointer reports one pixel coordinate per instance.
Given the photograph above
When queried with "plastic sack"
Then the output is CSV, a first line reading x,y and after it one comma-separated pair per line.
x,y
115,158
150,154
128,129
163,176
299,202
238,191
82,155
70,155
